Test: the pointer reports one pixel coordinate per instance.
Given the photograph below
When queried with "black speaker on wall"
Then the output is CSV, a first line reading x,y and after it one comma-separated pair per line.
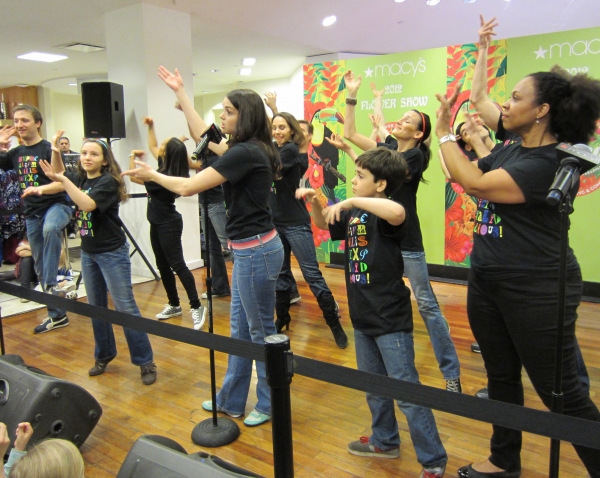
x,y
55,408
103,110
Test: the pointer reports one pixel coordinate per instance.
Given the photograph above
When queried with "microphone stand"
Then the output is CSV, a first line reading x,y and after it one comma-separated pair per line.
x,y
215,431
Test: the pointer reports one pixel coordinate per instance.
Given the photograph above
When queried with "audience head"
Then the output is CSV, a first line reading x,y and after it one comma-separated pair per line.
x,y
307,129
462,135
286,128
244,119
51,458
64,144
93,146
173,158
382,167
27,120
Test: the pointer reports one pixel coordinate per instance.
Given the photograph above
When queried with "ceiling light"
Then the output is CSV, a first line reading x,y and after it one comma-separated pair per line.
x,y
433,2
398,1
328,21
470,1
248,61
46,57
214,71
72,84
245,71
82,47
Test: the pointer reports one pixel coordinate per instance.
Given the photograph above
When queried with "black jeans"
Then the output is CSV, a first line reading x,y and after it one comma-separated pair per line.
x,y
166,244
514,319
218,269
27,274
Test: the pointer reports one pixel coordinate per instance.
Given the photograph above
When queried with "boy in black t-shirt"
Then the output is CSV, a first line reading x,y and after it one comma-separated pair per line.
x,y
379,302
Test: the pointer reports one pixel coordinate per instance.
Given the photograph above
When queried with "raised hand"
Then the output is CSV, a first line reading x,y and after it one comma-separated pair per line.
x,y
306,193
5,133
143,172
352,83
271,100
376,93
4,440
172,80
49,171
148,121
375,120
59,134
486,31
338,142
24,432
442,127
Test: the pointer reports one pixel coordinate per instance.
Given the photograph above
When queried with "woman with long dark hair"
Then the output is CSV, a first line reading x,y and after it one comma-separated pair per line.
x,y
246,170
410,137
166,225
512,302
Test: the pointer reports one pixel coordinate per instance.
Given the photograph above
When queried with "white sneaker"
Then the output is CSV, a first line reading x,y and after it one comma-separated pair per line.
x,y
168,312
199,317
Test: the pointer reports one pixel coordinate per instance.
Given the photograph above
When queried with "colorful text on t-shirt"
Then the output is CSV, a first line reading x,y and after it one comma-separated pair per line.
x,y
84,220
28,171
357,249
487,222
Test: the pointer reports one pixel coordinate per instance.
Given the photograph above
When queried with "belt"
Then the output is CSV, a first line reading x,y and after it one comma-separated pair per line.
x,y
259,241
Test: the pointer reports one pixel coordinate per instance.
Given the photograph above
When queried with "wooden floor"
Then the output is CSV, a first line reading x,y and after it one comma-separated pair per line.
x,y
325,417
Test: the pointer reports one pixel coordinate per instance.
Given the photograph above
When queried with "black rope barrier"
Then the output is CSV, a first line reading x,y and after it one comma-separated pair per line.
x,y
561,427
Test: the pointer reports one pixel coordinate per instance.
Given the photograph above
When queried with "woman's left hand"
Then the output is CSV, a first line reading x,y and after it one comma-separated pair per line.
x,y
49,171
143,172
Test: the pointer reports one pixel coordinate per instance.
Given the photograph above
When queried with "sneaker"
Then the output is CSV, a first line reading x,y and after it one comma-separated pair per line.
x,y
362,447
99,367
168,312
483,393
72,295
341,339
475,348
207,405
199,317
436,472
453,385
50,324
256,418
215,295
148,373
72,235
295,298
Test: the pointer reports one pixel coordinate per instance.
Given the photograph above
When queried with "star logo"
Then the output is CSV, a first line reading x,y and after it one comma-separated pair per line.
x,y
541,53
368,72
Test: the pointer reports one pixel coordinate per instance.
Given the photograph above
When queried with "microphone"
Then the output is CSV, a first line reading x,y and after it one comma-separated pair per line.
x,y
575,159
212,134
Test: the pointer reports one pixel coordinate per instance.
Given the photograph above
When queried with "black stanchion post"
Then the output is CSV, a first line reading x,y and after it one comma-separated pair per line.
x,y
1,333
280,370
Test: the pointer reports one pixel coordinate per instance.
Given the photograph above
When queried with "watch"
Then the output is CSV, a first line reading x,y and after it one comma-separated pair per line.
x,y
448,137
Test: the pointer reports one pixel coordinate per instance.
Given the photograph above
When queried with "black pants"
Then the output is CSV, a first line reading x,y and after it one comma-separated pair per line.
x,y
27,274
514,322
166,244
220,280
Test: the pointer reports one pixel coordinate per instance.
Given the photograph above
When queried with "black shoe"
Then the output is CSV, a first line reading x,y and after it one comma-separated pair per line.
x,y
469,472
99,367
50,324
148,373
281,323
339,335
475,348
483,393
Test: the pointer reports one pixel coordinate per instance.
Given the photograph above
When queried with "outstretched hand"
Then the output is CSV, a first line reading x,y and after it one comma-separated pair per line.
x,y
143,172
486,31
172,80
375,120
271,100
338,142
59,134
443,115
306,193
5,133
148,121
352,83
332,214
49,171
24,432
376,93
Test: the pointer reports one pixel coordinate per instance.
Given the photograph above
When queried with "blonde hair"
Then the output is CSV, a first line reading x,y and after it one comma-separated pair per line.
x,y
52,458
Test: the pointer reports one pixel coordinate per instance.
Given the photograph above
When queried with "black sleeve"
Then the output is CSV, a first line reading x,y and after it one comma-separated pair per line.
x,y
6,162
534,173
236,162
290,156
337,231
394,232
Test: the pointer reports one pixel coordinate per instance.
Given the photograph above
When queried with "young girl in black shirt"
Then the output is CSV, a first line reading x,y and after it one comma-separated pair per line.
x,y
97,189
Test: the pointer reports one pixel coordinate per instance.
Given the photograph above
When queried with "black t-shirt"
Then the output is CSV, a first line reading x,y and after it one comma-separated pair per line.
x,y
303,162
247,190
518,237
407,196
286,209
161,204
378,299
505,137
25,161
100,230
213,195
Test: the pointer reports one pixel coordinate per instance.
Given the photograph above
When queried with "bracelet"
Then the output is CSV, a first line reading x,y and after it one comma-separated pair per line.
x,y
445,139
351,101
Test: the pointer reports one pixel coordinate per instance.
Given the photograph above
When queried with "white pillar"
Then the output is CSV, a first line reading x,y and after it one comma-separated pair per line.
x,y
139,39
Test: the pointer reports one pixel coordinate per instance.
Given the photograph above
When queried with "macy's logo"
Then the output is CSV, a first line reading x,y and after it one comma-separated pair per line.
x,y
567,49
395,69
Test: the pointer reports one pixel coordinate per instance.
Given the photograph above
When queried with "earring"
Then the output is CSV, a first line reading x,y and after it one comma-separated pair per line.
x,y
537,120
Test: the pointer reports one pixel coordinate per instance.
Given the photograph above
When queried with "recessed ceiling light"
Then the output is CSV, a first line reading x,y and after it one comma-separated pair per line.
x,y
433,2
46,57
72,84
328,21
214,71
470,1
245,71
83,47
398,1
248,61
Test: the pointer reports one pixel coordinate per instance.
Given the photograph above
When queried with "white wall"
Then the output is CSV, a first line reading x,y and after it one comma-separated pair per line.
x,y
67,114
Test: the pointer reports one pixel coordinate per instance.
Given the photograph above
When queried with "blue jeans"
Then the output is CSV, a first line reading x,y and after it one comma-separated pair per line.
x,y
218,216
214,230
415,268
111,271
299,240
253,281
45,237
393,355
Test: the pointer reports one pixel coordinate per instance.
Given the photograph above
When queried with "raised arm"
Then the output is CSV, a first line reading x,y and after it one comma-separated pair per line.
x,y
340,144
175,82
57,162
386,209
488,110
152,141
350,133
378,112
271,101
81,199
136,153
496,185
